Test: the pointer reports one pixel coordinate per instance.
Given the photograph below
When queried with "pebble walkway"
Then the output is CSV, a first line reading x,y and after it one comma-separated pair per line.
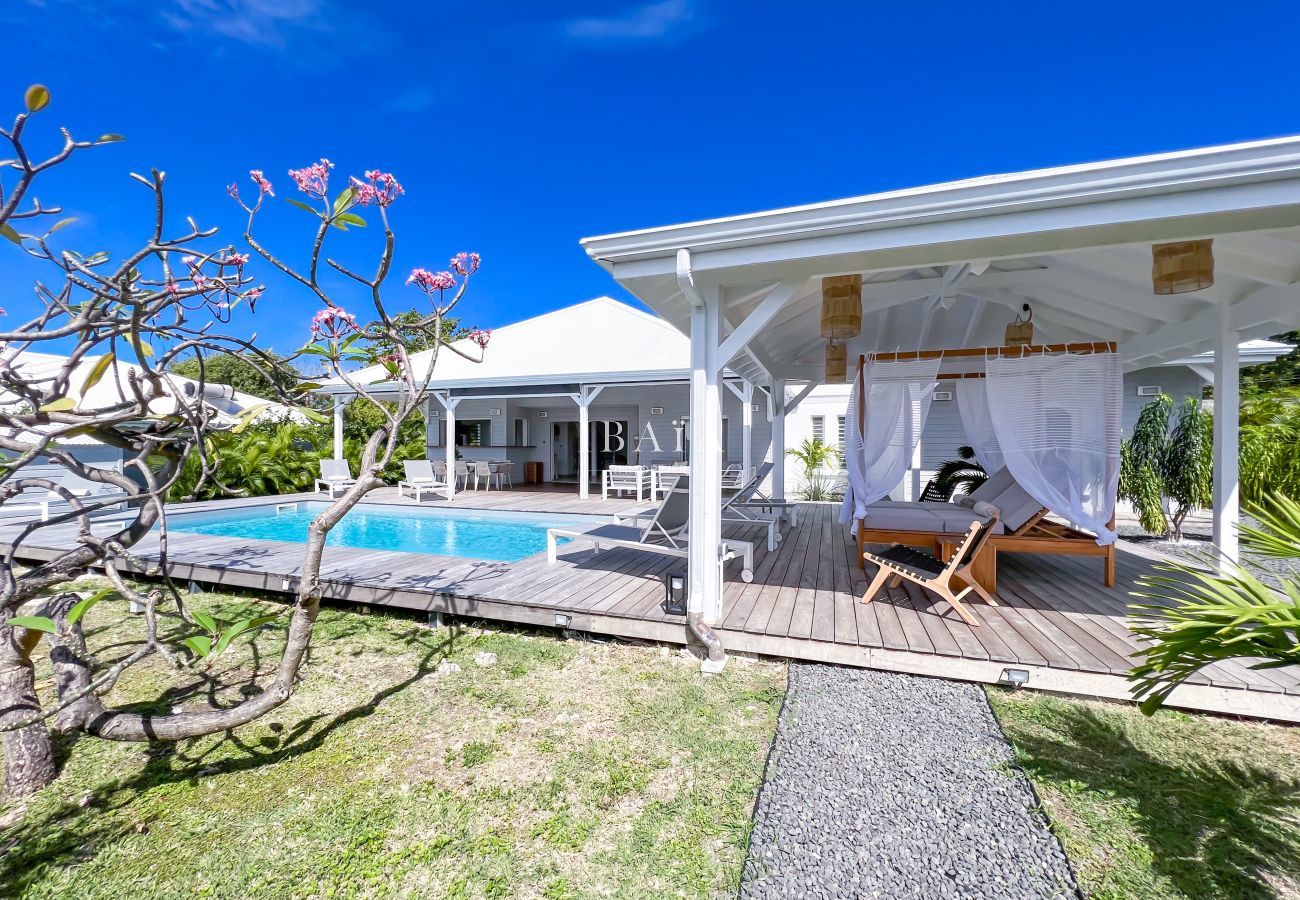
x,y
894,786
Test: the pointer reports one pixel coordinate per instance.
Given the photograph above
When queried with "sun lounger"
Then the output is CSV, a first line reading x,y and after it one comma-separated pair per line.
x,y
420,477
664,533
335,477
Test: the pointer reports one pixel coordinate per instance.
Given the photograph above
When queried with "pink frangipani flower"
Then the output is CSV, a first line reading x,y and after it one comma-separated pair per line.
x,y
263,186
465,263
313,180
331,323
431,281
382,189
173,288
481,336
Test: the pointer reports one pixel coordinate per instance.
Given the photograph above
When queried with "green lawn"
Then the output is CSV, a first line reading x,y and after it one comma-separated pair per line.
x,y
1171,806
567,769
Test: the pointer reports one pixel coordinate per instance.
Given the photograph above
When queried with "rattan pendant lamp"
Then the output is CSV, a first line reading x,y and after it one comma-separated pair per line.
x,y
841,320
1182,267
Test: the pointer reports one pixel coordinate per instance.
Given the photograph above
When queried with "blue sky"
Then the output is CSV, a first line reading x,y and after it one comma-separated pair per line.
x,y
519,127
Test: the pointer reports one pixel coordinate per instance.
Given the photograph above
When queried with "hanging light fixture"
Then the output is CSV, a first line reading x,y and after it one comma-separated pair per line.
x,y
1182,267
841,307
837,362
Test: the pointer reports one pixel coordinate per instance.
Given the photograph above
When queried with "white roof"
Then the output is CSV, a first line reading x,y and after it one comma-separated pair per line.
x,y
1249,353
949,265
594,341
112,388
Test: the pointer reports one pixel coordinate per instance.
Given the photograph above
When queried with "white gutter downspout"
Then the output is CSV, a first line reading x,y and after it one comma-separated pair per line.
x,y
704,564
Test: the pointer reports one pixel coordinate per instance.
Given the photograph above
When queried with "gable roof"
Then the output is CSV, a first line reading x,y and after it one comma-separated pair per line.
x,y
597,340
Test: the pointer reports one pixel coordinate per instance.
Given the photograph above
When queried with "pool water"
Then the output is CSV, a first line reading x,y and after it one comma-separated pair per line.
x,y
496,536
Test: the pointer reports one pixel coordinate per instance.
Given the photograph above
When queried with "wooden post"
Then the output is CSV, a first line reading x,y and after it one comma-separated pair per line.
x,y
705,527
747,429
339,405
778,439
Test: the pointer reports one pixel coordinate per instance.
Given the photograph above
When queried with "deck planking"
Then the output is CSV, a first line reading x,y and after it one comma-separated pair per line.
x,y
1055,616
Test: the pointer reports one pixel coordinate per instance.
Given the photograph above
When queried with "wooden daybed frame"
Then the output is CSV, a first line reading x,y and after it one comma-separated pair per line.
x,y
1038,535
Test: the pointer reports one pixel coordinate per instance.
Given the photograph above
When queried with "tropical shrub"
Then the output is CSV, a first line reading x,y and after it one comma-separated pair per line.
x,y
1166,473
815,455
1193,617
261,460
1270,446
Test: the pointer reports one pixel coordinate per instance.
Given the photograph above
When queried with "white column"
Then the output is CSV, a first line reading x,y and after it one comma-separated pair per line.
x,y
705,527
430,432
747,428
1226,436
449,440
778,439
339,405
584,447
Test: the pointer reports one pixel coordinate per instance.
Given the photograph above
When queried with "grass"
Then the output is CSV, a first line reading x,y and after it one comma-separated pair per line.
x,y
1172,806
565,770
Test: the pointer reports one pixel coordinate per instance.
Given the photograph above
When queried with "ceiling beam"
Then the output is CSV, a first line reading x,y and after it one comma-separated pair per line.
x,y
753,323
1276,303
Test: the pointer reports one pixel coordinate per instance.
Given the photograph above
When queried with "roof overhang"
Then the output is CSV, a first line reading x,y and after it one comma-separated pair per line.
x,y
1071,241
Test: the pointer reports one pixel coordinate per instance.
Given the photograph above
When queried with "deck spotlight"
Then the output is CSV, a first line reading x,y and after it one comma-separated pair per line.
x,y
1014,677
562,621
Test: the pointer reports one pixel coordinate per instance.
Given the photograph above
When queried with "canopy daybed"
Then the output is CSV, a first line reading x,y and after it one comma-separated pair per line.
x,y
1043,420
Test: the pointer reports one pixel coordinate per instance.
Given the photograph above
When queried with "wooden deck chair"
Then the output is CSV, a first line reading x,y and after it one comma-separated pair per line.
x,y
901,562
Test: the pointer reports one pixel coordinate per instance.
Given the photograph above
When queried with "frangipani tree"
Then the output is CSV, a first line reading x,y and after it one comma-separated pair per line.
x,y
163,301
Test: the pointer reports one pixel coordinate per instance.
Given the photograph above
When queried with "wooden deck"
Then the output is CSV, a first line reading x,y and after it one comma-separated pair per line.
x,y
1056,619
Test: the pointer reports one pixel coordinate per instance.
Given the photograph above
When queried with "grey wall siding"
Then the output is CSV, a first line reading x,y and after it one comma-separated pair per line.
x,y
652,436
1178,382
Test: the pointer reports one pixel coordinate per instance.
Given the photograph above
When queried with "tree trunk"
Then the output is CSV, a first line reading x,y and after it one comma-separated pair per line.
x,y
29,755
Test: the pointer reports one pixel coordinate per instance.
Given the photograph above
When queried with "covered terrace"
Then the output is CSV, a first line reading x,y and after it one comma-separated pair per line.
x,y
949,266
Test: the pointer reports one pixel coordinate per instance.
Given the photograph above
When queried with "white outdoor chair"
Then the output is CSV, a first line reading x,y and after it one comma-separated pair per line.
x,y
440,470
335,477
665,475
483,469
463,474
664,533
626,479
503,471
420,477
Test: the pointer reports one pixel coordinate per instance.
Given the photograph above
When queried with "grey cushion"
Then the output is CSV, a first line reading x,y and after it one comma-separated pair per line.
x,y
996,483
1017,506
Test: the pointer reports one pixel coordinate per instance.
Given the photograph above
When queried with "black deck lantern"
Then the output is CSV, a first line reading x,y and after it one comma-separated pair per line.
x,y
675,593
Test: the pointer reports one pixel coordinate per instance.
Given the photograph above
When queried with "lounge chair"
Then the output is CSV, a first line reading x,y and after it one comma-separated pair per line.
x,y
335,477
46,502
749,500
733,477
420,477
664,533
626,479
901,562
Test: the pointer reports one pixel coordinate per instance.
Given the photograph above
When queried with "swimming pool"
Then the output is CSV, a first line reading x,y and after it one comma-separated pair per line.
x,y
472,534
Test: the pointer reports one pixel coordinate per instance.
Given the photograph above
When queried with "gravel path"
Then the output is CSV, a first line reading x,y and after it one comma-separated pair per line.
x,y
885,785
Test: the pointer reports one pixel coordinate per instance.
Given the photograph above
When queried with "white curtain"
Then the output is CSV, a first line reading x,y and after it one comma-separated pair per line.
x,y
973,404
1058,420
898,396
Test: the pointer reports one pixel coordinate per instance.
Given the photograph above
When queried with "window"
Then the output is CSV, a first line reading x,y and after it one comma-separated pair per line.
x,y
474,433
839,440
819,428
521,433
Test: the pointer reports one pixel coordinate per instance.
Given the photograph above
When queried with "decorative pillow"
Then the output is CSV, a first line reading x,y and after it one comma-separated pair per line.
x,y
987,510
967,501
